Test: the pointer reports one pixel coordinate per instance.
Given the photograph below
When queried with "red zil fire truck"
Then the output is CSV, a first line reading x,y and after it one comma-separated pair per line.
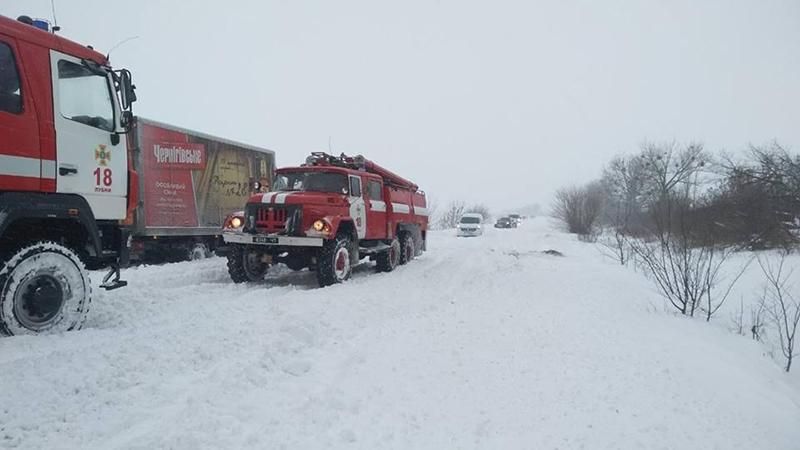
x,y
65,179
326,215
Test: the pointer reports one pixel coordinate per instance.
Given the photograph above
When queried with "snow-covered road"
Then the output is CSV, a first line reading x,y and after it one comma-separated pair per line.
x,y
479,343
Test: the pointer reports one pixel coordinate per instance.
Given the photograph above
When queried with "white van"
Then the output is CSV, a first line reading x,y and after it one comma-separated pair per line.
x,y
471,224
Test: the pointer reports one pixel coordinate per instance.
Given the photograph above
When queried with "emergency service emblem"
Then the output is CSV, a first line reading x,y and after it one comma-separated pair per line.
x,y
102,155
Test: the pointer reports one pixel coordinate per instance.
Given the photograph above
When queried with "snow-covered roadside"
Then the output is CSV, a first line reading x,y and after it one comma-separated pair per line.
x,y
481,343
747,294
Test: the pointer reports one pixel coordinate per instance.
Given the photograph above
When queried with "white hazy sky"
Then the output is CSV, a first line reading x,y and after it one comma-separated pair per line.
x,y
498,102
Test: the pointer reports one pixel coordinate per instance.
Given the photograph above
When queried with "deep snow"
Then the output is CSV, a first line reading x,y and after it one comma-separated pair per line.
x,y
480,343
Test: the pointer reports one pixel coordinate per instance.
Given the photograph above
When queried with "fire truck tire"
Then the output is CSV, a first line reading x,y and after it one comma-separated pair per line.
x,y
407,248
387,260
244,267
334,263
44,288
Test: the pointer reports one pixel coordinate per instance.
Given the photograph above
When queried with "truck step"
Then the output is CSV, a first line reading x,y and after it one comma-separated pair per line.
x,y
110,286
111,281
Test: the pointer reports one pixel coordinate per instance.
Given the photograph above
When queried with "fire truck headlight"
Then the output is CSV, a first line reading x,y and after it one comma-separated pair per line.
x,y
234,222
321,227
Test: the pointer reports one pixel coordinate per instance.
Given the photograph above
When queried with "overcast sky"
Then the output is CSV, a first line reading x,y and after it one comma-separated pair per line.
x,y
499,102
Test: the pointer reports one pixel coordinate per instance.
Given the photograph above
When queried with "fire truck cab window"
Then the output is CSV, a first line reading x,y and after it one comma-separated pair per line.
x,y
10,93
85,96
374,190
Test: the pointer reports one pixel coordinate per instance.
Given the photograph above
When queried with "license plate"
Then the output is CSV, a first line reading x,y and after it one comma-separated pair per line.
x,y
264,240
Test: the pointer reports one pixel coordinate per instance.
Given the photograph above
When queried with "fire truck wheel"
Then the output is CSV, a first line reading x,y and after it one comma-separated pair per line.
x,y
389,259
44,288
333,263
245,266
407,248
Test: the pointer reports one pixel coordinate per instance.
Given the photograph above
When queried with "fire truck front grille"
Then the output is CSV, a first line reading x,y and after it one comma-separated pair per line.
x,y
282,219
271,219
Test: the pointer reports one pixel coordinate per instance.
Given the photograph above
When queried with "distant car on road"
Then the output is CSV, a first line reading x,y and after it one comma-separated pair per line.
x,y
471,224
505,222
516,218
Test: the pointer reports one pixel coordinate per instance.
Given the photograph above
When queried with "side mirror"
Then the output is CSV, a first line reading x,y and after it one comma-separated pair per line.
x,y
127,89
127,119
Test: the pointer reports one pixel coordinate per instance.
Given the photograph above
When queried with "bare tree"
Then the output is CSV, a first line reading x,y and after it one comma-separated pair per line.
x,y
623,182
451,215
677,250
761,197
780,305
670,169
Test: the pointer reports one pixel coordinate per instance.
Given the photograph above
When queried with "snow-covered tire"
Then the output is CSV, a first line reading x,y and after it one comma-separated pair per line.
x,y
44,288
334,263
387,260
198,251
243,266
407,248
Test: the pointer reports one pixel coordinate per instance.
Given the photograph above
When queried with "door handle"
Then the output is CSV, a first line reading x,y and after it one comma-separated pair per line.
x,y
67,170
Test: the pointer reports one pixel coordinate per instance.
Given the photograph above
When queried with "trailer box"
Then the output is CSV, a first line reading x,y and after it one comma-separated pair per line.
x,y
188,183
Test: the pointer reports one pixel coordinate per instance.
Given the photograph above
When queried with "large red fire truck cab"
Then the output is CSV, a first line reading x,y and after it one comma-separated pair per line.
x,y
326,215
64,176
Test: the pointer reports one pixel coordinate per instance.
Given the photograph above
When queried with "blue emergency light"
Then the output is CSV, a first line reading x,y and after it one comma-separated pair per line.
x,y
41,24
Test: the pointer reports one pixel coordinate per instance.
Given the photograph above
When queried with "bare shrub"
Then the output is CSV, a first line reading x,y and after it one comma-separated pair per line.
x,y
687,276
738,319
579,208
780,305
757,319
614,244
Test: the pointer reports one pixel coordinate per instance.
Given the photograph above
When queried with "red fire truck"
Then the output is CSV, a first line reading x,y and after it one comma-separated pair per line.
x,y
65,180
326,215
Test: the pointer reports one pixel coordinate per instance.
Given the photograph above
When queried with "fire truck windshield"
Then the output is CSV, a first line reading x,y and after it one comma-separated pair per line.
x,y
311,181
